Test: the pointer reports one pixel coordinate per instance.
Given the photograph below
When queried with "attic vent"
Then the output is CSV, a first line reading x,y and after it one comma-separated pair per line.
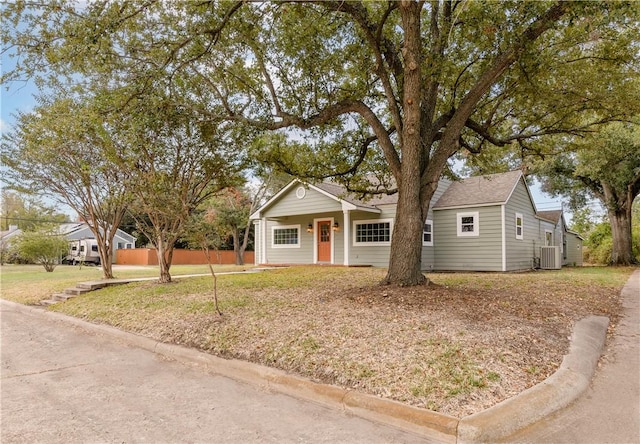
x,y
550,258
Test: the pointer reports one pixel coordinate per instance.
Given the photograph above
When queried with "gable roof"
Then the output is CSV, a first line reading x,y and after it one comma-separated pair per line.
x,y
491,189
328,189
550,215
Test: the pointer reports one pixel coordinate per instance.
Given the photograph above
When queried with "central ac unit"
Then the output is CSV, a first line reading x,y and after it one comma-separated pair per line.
x,y
550,258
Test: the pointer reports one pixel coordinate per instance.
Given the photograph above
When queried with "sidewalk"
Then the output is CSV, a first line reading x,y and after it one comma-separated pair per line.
x,y
609,412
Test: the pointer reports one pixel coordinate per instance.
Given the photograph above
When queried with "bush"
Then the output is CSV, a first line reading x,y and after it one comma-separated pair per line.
x,y
41,247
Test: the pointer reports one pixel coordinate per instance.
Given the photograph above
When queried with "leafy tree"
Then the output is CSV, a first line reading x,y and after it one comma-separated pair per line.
x,y
230,212
67,149
178,164
41,247
390,90
582,221
606,165
26,212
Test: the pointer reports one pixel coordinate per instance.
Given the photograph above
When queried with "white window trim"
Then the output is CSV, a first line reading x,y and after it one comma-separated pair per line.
x,y
284,227
545,238
372,221
425,243
476,224
521,235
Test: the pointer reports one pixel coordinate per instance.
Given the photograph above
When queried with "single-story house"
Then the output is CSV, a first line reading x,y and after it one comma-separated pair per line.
x,y
569,241
484,223
76,231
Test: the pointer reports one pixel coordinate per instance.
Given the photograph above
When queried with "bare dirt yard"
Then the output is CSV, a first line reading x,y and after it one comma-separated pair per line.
x,y
457,346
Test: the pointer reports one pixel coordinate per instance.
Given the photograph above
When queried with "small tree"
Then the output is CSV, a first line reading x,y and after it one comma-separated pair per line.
x,y
41,247
202,233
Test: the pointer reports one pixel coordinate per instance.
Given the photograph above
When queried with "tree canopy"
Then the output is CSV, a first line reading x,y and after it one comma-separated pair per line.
x,y
67,149
606,165
391,90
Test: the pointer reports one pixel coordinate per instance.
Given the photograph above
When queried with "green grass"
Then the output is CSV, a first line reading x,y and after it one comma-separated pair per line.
x,y
29,284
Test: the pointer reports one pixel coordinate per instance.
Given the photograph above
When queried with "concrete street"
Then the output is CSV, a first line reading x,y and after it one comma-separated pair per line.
x,y
609,412
62,384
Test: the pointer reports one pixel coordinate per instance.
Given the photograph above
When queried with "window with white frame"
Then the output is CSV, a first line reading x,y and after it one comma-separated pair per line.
x,y
468,224
285,236
548,238
372,232
519,226
427,233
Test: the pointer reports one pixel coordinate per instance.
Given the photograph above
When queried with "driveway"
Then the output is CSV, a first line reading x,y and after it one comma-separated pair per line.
x,y
61,384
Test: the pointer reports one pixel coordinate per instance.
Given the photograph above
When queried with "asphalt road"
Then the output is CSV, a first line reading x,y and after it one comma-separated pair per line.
x,y
61,384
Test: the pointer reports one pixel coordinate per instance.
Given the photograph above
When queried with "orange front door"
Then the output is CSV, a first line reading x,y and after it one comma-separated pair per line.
x,y
324,241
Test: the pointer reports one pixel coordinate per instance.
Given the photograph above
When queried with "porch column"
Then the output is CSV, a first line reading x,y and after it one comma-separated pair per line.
x,y
263,240
346,234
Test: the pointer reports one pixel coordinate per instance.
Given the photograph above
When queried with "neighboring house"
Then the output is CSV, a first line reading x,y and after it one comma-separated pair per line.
x,y
569,241
486,223
5,236
78,231
73,232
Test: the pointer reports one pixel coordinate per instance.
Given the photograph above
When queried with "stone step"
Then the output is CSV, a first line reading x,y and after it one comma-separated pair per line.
x,y
90,286
48,302
62,297
76,291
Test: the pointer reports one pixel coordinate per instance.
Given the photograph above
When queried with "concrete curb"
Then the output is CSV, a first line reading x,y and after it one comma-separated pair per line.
x,y
554,393
559,390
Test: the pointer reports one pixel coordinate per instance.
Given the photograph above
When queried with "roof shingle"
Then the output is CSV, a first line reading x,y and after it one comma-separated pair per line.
x,y
479,190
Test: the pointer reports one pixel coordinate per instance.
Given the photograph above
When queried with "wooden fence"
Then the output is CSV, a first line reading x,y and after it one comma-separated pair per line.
x,y
148,256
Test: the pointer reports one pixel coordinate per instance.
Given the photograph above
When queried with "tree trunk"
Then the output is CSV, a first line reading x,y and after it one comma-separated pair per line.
x,y
405,260
406,246
236,247
622,252
163,262
106,257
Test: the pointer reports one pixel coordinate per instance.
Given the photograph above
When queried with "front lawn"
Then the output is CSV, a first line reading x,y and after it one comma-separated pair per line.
x,y
457,346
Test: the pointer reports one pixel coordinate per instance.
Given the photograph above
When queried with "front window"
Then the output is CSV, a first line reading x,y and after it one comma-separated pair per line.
x,y
468,224
427,233
286,236
372,232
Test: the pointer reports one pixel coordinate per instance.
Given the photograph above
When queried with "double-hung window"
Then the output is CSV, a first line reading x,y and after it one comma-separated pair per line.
x,y
427,233
468,224
519,226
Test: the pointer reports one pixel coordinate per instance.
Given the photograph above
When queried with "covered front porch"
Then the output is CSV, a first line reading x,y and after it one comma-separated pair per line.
x,y
305,224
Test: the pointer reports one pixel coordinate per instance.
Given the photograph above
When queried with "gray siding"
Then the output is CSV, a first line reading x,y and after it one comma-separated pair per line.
x,y
428,259
521,252
312,203
574,250
374,255
481,253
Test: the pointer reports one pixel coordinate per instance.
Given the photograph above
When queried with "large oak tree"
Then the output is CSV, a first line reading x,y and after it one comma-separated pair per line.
x,y
390,90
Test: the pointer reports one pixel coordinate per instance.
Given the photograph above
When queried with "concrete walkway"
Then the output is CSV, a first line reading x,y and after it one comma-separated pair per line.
x,y
609,412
